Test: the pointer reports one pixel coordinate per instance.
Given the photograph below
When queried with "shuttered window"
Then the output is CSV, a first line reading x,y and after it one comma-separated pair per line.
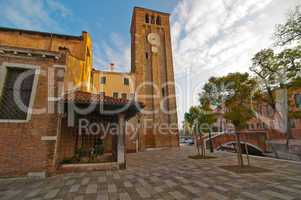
x,y
9,108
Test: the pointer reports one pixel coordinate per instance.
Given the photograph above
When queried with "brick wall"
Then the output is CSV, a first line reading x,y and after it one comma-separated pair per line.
x,y
22,149
156,68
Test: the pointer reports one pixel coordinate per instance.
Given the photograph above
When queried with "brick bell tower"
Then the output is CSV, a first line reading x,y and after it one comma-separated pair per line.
x,y
152,66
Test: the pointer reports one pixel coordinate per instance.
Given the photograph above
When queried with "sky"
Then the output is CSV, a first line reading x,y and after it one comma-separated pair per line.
x,y
209,38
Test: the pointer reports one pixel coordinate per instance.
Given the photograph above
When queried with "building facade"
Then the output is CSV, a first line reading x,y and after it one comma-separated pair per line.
x,y
152,66
77,48
113,84
150,81
60,79
267,119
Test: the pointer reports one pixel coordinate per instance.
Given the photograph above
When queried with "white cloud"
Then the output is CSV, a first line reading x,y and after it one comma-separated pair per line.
x,y
60,8
212,38
32,14
116,51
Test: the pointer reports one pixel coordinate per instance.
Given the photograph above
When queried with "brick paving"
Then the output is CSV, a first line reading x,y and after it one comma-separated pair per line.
x,y
166,174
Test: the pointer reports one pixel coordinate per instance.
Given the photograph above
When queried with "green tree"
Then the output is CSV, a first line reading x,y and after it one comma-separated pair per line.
x,y
191,121
239,105
216,90
208,118
265,69
277,72
234,93
187,128
199,122
290,31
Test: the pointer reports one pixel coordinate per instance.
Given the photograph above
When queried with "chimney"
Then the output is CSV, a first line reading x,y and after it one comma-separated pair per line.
x,y
111,66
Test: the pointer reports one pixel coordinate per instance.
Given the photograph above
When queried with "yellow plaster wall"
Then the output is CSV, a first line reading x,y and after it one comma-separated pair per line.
x,y
41,42
86,65
114,83
79,59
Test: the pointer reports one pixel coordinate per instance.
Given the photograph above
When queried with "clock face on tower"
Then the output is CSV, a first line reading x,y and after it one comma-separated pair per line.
x,y
154,40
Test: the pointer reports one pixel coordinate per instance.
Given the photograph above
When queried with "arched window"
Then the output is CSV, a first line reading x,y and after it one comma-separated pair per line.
x,y
153,19
147,18
158,22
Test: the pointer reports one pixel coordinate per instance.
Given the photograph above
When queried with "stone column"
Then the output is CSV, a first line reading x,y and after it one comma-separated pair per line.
x,y
121,149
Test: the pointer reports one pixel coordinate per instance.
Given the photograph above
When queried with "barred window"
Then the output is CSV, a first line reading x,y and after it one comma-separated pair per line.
x,y
9,109
103,80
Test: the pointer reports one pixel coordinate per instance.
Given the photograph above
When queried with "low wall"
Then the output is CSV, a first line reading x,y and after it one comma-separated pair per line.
x,y
257,139
279,147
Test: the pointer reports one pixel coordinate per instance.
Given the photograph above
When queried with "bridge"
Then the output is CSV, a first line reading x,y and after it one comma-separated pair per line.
x,y
255,141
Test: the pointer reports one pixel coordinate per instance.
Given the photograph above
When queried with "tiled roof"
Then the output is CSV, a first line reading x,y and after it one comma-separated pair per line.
x,y
86,97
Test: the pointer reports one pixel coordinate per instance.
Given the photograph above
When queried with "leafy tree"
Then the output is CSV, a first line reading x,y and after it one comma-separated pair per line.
x,y
291,30
191,119
196,120
216,90
265,68
208,118
239,105
187,128
234,92
277,72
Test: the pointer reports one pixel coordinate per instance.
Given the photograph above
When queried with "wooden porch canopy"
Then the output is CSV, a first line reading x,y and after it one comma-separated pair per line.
x,y
122,106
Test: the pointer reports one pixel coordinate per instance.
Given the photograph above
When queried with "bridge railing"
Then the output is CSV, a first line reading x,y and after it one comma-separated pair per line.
x,y
255,138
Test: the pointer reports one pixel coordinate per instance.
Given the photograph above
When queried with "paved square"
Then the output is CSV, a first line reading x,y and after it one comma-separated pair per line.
x,y
166,174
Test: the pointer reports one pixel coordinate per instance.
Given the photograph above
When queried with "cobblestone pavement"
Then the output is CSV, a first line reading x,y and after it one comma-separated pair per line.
x,y
166,174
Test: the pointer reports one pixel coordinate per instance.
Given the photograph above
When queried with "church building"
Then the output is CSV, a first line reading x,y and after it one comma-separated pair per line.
x,y
53,100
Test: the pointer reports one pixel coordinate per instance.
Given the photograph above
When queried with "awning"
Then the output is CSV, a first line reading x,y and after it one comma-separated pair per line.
x,y
117,105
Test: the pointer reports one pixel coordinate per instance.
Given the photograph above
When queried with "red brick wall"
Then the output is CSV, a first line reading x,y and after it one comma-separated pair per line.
x,y
22,149
254,138
296,133
160,72
275,135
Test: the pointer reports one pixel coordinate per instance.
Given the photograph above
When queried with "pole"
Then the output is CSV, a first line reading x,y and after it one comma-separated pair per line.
x,y
247,152
239,153
210,142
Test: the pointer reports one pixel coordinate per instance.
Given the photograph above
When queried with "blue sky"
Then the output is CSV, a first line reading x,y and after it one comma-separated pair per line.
x,y
209,37
99,18
108,23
